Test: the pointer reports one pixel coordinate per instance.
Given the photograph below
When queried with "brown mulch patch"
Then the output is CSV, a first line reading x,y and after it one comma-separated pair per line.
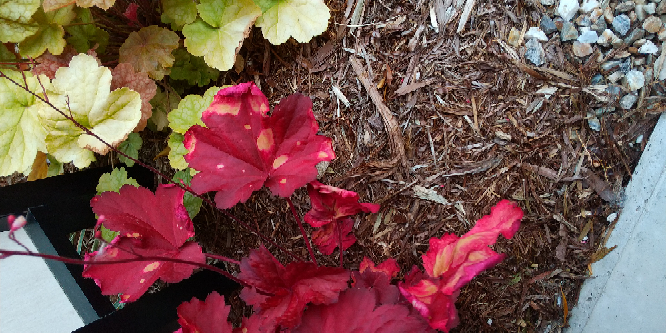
x,y
457,113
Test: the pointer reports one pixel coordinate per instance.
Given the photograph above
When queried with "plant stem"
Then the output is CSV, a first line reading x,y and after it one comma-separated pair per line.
x,y
300,225
223,258
185,188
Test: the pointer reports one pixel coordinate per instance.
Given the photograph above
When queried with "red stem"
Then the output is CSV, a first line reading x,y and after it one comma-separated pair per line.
x,y
186,188
223,258
300,225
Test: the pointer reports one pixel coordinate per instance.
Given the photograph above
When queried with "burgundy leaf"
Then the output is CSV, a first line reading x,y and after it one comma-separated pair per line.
x,y
242,148
389,267
150,225
331,203
357,311
292,287
210,316
327,238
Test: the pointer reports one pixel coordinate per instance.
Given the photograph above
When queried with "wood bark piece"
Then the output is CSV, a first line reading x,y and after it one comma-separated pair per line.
x,y
391,125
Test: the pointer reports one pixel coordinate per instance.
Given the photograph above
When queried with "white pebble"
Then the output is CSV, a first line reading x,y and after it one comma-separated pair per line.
x,y
648,48
536,33
589,36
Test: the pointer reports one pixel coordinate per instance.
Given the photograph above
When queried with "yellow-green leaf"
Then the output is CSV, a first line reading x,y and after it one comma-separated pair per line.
x,y
21,132
15,24
50,34
189,111
301,19
82,91
177,152
149,50
178,13
219,33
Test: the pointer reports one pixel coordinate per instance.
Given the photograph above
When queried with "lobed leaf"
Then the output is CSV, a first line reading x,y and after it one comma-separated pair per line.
x,y
130,147
149,50
189,111
301,19
82,90
21,131
243,148
104,4
149,225
331,203
86,35
292,287
114,180
15,23
163,103
177,151
178,13
193,69
50,33
219,33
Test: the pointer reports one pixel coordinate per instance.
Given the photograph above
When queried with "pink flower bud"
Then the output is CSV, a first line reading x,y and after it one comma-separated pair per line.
x,y
16,223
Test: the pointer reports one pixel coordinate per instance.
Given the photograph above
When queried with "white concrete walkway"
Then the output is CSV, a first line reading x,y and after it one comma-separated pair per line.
x,y
628,293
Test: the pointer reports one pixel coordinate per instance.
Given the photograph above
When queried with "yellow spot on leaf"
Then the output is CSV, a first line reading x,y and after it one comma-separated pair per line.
x,y
298,143
142,280
133,235
283,181
220,166
151,267
322,155
279,161
125,297
248,127
225,108
265,139
112,252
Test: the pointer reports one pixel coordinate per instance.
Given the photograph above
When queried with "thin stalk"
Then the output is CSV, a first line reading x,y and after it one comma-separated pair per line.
x,y
305,236
182,186
9,253
223,258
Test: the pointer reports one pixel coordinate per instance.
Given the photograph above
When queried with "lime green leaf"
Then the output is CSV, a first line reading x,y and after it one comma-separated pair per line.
x,y
220,34
191,202
55,167
189,111
301,19
104,4
177,151
15,24
178,13
50,34
21,132
149,50
266,4
163,103
114,181
130,147
108,235
83,37
193,69
82,91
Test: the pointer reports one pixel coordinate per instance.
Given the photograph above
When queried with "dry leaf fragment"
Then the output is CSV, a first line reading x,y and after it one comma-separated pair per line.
x,y
429,194
40,168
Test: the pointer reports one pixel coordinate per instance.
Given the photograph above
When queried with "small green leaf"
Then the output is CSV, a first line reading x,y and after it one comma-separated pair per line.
x,y
50,34
193,69
55,167
177,152
163,103
83,37
131,147
190,109
108,235
114,181
301,19
15,23
191,202
178,13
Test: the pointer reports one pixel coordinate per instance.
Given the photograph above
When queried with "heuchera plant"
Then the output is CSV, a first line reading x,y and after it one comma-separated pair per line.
x,y
240,149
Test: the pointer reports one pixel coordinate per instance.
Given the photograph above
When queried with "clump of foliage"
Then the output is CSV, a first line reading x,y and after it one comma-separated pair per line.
x,y
60,104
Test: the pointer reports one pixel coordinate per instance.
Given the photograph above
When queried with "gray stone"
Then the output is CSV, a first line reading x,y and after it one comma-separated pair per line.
x,y
608,15
547,24
610,65
583,21
594,123
640,12
625,65
599,26
567,9
589,5
615,77
652,24
625,6
628,101
536,33
650,8
662,34
597,79
648,48
547,2
635,35
605,110
661,8
621,24
568,32
634,80
613,91
534,52
588,37
582,49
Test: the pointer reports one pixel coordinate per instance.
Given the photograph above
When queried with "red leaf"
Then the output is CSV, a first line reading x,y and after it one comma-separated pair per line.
x,y
292,287
424,294
327,238
205,317
389,267
149,225
131,14
357,311
241,148
331,203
